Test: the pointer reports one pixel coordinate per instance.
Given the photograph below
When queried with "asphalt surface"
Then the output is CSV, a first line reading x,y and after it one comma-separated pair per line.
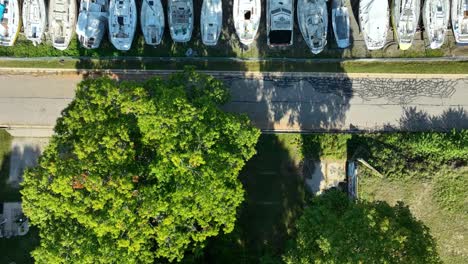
x,y
280,102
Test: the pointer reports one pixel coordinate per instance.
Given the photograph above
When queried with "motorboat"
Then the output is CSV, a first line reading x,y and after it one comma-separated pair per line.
x,y
246,16
373,20
92,22
460,20
280,22
313,22
34,20
152,21
180,14
9,22
62,20
211,21
122,23
436,15
405,17
340,23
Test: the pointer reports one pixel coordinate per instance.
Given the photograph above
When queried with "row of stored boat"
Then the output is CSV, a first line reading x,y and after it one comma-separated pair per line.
x,y
119,17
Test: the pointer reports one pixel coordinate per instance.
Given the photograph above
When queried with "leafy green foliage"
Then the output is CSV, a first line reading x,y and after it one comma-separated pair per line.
x,y
138,171
335,229
331,146
450,190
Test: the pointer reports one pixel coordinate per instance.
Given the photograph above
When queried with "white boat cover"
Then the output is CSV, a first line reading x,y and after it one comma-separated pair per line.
x,y
92,22
436,18
9,22
122,23
340,23
460,20
211,21
246,15
34,20
62,19
152,21
313,21
180,19
280,22
405,21
373,19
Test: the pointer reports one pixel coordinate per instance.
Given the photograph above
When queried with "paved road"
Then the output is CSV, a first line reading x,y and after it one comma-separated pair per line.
x,y
279,101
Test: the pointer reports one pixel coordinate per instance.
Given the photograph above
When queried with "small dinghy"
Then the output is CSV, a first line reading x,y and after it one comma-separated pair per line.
x,y
246,15
152,21
280,22
9,22
180,19
62,19
211,21
92,22
373,19
405,21
436,18
122,23
313,23
460,20
340,23
34,20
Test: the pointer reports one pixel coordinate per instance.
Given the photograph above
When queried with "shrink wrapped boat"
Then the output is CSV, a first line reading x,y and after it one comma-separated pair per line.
x,y
34,20
152,21
9,22
246,15
211,21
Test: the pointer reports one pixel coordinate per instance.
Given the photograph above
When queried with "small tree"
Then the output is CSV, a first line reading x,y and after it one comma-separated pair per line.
x,y
138,171
335,229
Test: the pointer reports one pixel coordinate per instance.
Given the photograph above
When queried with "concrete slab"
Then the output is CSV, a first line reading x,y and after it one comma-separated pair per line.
x,y
325,174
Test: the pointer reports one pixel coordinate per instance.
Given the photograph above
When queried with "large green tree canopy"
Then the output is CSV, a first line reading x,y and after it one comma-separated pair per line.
x,y
138,171
335,229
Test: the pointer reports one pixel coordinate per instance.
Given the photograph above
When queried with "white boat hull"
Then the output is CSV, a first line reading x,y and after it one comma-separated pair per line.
x,y
405,21
62,20
211,21
313,22
122,23
34,20
246,16
340,23
10,23
280,22
460,21
436,18
152,21
92,22
180,14
373,20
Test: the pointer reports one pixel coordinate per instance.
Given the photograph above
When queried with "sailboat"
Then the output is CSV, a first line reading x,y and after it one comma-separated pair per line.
x,y
373,20
246,16
92,22
436,18
211,21
180,19
34,20
405,21
460,20
280,22
152,21
62,19
122,23
313,23
340,23
9,22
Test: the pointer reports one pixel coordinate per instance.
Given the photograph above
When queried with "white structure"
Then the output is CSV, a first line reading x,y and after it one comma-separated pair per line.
x,y
62,19
122,23
340,23
436,18
280,22
313,21
460,20
246,15
405,21
373,19
92,22
9,22
180,14
34,20
152,21
211,21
